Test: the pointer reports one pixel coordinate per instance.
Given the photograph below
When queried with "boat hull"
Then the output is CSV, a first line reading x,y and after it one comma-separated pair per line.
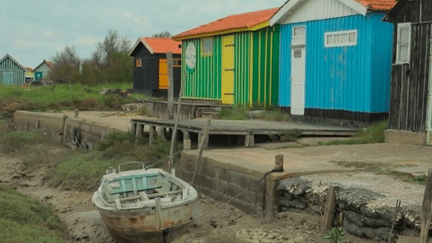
x,y
146,225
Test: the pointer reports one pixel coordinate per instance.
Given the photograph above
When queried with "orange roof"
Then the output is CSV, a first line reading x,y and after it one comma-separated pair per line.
x,y
378,4
161,45
233,23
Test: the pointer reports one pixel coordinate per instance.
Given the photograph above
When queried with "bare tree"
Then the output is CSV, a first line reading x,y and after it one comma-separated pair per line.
x,y
163,34
111,44
66,65
68,56
125,45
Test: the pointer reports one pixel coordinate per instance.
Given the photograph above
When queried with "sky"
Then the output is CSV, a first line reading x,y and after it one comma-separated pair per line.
x,y
34,30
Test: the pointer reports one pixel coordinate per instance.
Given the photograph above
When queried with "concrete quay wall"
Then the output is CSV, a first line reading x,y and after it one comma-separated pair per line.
x,y
223,182
65,129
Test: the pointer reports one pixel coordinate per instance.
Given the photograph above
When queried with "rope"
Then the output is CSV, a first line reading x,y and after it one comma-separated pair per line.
x,y
162,160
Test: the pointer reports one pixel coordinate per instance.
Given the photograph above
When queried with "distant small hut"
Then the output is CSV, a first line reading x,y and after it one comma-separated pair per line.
x,y
11,71
151,66
42,70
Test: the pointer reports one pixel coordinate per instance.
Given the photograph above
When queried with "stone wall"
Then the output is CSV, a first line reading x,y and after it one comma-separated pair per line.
x,y
359,211
223,181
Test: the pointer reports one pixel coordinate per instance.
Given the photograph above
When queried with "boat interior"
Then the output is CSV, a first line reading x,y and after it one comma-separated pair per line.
x,y
132,187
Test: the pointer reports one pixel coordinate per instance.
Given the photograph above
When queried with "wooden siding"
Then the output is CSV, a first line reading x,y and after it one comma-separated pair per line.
x,y
416,11
319,10
9,66
410,84
256,68
346,82
146,77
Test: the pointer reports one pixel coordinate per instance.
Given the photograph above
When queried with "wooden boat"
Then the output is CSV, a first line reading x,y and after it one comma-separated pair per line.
x,y
144,205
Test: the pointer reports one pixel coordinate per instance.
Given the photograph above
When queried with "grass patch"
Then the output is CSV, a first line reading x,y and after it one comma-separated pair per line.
x,y
84,170
235,113
18,140
27,220
62,96
291,135
373,134
385,170
273,115
420,179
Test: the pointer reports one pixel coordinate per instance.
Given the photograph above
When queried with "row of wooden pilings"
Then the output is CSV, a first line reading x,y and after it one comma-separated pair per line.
x,y
137,129
165,133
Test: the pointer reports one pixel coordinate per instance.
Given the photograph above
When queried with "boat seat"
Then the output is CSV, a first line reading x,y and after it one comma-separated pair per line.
x,y
135,183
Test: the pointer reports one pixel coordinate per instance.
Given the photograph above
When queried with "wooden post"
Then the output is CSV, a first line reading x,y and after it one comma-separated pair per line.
x,y
329,209
270,199
27,126
139,130
174,137
200,150
38,124
170,85
187,144
249,140
426,209
161,132
279,163
152,131
133,128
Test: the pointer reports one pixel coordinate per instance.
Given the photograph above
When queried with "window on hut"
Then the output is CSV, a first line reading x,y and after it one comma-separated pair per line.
x,y
138,62
403,43
207,46
340,38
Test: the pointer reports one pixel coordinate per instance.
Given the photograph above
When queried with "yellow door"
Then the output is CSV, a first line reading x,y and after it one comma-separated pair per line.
x,y
163,74
228,69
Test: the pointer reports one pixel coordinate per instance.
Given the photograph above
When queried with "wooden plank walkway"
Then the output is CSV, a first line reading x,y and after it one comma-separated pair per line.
x,y
247,128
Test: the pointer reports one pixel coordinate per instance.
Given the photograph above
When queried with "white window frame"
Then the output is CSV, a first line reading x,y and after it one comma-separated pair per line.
x,y
399,60
204,53
339,33
299,36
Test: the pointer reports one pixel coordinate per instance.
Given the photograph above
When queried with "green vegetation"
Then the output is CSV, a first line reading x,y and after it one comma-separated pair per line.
x,y
83,171
373,134
273,115
235,113
420,179
17,140
335,235
291,135
241,112
27,220
63,96
385,170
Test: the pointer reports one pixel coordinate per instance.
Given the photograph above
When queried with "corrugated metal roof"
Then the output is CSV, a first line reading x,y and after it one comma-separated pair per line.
x,y
232,22
161,45
378,4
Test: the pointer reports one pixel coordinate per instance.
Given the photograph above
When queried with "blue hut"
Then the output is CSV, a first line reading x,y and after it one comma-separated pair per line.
x,y
11,72
335,59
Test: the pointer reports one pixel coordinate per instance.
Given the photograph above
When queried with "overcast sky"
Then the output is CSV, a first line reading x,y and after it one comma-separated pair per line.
x,y
34,30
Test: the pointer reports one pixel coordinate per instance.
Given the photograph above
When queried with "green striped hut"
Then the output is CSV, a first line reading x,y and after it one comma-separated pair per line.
x,y
237,60
11,72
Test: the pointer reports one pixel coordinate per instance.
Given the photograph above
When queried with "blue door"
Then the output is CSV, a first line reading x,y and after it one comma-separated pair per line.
x,y
8,77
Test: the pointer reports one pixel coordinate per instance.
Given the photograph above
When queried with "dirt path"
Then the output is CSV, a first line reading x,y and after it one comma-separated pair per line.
x,y
214,221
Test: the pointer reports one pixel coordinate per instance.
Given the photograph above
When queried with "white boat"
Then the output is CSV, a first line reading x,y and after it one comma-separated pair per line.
x,y
144,205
